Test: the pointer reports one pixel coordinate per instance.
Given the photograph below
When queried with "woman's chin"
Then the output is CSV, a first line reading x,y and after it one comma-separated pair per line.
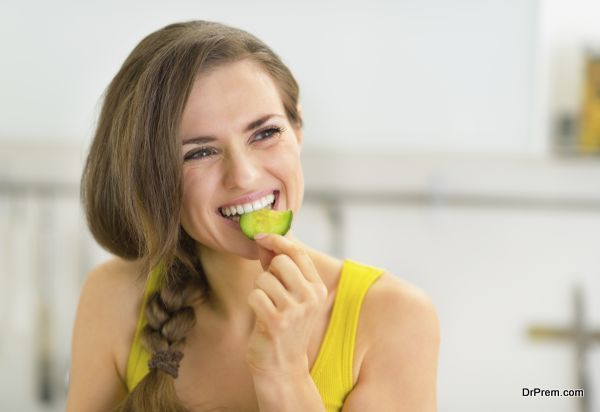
x,y
247,251
241,248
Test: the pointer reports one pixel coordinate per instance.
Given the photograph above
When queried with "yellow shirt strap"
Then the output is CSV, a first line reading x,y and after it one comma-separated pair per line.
x,y
137,363
332,371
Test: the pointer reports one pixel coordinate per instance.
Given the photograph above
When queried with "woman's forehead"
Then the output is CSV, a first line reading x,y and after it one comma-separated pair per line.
x,y
230,96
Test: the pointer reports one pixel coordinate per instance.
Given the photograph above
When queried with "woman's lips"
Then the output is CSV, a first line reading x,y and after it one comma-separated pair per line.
x,y
236,225
249,198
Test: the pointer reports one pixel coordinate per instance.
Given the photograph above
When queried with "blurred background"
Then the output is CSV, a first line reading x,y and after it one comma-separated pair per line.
x,y
455,143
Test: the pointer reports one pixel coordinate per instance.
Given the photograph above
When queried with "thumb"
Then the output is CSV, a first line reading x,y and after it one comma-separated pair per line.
x,y
264,255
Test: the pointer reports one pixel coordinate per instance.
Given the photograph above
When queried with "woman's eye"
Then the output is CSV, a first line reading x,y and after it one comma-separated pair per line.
x,y
267,133
200,153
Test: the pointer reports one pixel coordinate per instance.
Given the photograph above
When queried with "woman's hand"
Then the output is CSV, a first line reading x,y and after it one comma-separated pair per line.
x,y
287,299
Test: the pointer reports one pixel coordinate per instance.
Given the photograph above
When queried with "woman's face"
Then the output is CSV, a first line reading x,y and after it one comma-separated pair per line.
x,y
238,149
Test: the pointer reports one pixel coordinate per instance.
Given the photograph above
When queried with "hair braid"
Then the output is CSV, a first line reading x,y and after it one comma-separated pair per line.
x,y
170,316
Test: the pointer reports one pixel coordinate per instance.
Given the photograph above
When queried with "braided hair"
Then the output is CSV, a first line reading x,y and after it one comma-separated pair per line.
x,y
170,315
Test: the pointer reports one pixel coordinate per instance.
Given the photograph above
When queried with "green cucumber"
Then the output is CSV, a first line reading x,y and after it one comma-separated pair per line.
x,y
266,221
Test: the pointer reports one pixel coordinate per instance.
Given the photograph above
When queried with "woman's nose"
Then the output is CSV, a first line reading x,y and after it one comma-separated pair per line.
x,y
240,170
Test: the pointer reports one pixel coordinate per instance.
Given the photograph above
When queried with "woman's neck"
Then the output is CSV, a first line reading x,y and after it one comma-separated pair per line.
x,y
230,278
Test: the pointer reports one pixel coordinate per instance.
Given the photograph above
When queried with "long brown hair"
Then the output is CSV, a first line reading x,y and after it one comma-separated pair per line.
x,y
131,187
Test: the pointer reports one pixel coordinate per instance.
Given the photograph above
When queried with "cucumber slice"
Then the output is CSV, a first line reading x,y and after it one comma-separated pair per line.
x,y
266,221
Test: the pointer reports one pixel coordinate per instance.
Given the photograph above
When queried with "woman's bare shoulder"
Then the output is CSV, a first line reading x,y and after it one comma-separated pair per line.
x,y
115,289
102,335
391,292
396,312
400,330
114,278
395,308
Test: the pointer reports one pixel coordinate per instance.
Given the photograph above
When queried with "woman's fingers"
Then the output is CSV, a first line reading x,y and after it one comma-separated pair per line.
x,y
286,300
274,290
292,278
293,266
280,245
262,305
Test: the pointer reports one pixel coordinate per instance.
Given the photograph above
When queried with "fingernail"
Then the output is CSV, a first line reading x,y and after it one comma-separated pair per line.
x,y
260,236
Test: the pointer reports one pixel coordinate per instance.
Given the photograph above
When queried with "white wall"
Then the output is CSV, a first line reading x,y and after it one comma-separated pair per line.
x,y
427,74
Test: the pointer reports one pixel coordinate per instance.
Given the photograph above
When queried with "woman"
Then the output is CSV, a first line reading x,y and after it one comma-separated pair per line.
x,y
201,124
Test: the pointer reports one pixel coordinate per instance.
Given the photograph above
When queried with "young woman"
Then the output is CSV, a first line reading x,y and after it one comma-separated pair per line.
x,y
202,124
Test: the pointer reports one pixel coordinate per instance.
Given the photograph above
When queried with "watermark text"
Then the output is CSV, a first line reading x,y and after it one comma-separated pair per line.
x,y
553,393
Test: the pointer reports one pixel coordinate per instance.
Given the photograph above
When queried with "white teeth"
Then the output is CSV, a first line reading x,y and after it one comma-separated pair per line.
x,y
232,211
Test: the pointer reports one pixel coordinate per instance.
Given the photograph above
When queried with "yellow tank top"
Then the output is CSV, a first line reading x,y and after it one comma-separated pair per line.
x,y
332,370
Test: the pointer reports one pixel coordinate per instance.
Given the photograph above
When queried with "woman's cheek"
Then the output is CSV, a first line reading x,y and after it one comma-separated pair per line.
x,y
194,188
286,156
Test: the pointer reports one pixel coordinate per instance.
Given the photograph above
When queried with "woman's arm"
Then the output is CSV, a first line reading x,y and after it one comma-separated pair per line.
x,y
287,300
95,383
287,393
399,369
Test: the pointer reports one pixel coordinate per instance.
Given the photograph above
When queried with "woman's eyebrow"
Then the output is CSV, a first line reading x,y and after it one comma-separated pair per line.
x,y
251,126
260,121
198,140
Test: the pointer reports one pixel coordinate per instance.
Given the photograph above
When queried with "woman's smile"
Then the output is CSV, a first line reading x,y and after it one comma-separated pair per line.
x,y
249,203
